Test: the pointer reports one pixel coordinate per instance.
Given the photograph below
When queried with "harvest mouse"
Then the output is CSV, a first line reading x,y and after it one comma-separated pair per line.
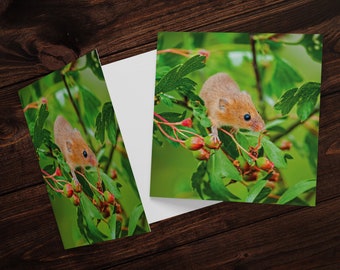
x,y
227,105
73,147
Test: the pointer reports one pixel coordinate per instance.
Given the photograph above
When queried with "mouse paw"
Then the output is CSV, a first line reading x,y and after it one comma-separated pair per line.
x,y
214,135
75,179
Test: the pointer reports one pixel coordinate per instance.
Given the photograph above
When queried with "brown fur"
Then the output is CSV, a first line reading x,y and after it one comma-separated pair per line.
x,y
227,105
72,145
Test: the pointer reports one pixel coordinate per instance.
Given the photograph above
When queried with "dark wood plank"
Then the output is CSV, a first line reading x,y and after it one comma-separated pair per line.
x,y
276,243
37,37
27,245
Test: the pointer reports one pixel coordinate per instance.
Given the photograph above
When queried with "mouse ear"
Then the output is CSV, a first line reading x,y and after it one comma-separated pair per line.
x,y
223,103
69,145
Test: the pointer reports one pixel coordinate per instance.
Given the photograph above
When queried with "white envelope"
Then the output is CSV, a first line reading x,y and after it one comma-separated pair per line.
x,y
131,84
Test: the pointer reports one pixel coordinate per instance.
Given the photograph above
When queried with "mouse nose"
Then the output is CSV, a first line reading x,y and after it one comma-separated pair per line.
x,y
93,161
258,126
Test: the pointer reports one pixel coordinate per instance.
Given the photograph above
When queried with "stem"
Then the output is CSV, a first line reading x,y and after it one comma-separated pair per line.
x,y
91,186
73,103
293,126
33,105
160,117
183,52
107,167
166,134
237,144
257,74
52,187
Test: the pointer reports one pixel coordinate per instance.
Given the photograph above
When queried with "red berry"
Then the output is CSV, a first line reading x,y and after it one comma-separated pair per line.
x,y
211,142
113,174
201,154
194,143
271,185
286,145
251,176
77,188
264,163
44,100
106,212
96,201
274,177
109,197
58,172
68,190
187,122
118,208
75,200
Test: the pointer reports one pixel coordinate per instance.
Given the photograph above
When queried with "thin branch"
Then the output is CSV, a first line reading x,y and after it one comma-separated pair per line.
x,y
257,75
293,126
107,167
73,103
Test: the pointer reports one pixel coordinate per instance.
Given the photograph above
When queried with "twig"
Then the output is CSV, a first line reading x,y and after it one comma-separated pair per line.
x,y
257,75
238,145
73,103
293,126
107,167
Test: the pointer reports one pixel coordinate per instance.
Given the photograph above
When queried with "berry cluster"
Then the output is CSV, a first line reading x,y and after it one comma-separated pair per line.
x,y
201,146
262,168
70,191
189,139
104,201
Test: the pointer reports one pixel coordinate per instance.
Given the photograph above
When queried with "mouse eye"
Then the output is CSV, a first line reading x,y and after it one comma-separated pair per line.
x,y
85,154
247,117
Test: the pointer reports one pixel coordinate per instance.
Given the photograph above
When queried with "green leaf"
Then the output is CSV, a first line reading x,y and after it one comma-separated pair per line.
x,y
311,146
173,117
274,154
305,97
284,77
91,105
113,226
200,113
110,184
219,169
91,214
197,178
313,46
296,190
174,78
255,190
40,134
92,61
110,122
287,101
100,128
194,63
106,121
308,95
244,142
134,218
166,99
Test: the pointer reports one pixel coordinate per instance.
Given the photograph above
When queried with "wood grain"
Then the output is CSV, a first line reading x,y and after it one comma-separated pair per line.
x,y
37,37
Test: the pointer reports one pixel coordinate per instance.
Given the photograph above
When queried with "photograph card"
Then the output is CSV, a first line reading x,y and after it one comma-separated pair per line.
x,y
236,117
82,156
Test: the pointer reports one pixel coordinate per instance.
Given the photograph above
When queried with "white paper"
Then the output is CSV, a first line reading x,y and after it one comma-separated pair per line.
x,y
131,84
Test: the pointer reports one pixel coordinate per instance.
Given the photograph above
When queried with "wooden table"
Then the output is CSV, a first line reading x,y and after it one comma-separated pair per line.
x,y
37,37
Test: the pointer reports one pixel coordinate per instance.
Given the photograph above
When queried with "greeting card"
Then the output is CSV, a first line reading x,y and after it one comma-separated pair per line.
x,y
236,117
131,84
82,155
